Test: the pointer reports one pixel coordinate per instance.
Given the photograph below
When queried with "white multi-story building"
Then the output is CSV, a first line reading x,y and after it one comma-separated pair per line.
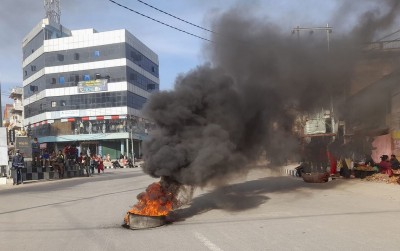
x,y
86,87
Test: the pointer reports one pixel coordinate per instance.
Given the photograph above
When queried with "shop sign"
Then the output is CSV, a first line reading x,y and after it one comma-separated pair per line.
x,y
97,85
396,134
69,114
23,144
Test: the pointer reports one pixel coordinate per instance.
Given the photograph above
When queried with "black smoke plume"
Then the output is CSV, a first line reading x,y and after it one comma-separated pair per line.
x,y
222,115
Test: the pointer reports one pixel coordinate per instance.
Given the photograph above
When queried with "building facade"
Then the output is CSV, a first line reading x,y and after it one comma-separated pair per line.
x,y
87,88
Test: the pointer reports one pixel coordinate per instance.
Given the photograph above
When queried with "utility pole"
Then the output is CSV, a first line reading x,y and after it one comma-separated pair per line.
x,y
328,30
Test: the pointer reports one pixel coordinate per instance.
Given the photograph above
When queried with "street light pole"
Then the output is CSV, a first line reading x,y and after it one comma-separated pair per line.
x,y
328,29
133,153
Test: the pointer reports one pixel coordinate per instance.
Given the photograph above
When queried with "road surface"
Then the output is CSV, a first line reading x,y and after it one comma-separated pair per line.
x,y
257,212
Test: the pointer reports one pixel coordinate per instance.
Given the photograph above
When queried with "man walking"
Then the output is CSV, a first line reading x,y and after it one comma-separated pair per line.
x,y
17,165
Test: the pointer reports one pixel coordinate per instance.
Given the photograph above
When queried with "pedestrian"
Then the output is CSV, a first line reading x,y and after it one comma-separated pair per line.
x,y
394,162
93,163
17,165
100,165
60,164
35,153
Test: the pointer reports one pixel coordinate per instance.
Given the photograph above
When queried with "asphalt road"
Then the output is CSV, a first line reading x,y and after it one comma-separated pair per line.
x,y
257,212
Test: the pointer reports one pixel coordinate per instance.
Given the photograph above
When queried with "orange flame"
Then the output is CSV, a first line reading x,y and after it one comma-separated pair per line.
x,y
153,202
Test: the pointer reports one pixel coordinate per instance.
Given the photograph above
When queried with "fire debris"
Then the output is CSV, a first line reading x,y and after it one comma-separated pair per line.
x,y
383,178
160,198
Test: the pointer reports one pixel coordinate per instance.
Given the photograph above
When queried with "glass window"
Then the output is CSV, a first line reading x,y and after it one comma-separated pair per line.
x,y
86,77
97,53
53,103
33,67
63,103
62,80
53,80
76,56
60,57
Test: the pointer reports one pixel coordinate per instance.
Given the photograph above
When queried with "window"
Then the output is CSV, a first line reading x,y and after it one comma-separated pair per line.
x,y
97,53
53,103
61,80
33,88
132,76
25,73
53,81
76,56
63,103
76,79
97,76
33,67
60,57
153,69
86,77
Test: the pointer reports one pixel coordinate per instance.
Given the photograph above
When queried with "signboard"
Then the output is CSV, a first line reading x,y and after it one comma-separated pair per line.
x,y
396,134
98,85
69,114
315,126
23,144
3,147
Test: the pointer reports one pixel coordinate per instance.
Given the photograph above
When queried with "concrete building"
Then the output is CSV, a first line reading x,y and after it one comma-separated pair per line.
x,y
87,88
14,118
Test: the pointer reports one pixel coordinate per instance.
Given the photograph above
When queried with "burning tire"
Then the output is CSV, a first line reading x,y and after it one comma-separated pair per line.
x,y
137,221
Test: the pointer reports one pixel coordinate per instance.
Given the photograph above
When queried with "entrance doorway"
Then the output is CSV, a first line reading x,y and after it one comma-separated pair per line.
x,y
90,148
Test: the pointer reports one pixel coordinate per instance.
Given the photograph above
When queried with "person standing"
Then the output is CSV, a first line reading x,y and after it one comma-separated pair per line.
x,y
17,164
93,163
35,153
60,163
100,164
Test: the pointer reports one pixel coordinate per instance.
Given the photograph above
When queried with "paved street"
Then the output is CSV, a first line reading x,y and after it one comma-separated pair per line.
x,y
260,212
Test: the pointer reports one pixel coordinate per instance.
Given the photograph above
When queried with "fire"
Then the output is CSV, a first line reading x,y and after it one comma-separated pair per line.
x,y
154,202
160,198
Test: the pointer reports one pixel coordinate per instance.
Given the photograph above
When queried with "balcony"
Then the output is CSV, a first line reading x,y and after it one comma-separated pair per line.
x,y
17,107
16,93
15,124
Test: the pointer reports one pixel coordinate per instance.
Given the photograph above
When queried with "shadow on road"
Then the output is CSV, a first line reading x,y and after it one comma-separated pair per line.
x,y
246,195
54,185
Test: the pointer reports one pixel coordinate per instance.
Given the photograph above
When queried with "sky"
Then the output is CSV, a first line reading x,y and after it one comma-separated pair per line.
x,y
178,52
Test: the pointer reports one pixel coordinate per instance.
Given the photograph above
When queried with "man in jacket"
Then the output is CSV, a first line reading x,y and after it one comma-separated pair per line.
x,y
17,165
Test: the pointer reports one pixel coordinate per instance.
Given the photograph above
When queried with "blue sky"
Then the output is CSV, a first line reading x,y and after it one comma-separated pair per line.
x,y
178,52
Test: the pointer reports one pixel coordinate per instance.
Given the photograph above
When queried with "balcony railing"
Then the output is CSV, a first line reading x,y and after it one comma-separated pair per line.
x,y
18,106
97,127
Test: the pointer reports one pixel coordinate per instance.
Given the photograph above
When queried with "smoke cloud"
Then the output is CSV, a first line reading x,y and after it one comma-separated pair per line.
x,y
223,115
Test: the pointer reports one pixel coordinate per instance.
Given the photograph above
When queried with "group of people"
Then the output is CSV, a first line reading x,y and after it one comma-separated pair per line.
x,y
90,163
69,157
388,165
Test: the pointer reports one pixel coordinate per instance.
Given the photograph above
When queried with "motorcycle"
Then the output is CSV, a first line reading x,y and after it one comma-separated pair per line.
x,y
129,163
116,164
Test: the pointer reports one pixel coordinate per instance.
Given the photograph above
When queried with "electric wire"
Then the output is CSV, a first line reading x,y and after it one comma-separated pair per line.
x,y
160,22
180,19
